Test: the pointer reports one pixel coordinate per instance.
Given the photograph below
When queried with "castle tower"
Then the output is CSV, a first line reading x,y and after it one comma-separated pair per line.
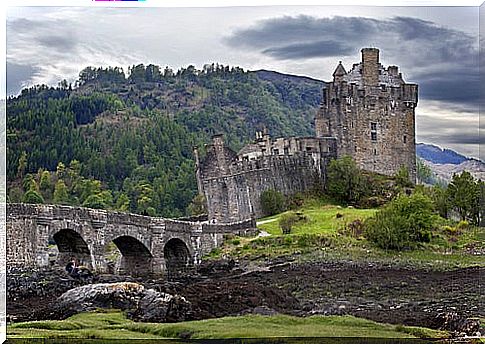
x,y
370,110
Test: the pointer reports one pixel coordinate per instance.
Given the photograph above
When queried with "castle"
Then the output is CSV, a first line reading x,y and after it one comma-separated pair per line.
x,y
367,113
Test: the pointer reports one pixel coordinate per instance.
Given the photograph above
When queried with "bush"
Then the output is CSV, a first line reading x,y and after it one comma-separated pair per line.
x,y
345,182
287,221
272,202
404,222
354,229
296,201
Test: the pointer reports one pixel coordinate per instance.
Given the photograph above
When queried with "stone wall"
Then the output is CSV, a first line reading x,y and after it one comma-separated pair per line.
x,y
85,234
232,183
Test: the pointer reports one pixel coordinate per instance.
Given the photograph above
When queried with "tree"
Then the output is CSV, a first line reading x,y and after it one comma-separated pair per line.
x,y
402,223
22,164
45,185
32,196
423,172
462,193
402,178
344,180
198,206
441,201
61,195
122,203
272,202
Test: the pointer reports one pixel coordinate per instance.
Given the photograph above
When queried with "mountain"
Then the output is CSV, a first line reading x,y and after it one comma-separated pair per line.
x,y
125,142
446,162
439,155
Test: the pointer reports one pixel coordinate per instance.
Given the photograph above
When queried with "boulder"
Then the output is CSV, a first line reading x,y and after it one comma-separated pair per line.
x,y
141,304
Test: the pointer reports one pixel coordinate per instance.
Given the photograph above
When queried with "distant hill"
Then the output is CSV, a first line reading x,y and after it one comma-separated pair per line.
x,y
445,162
438,155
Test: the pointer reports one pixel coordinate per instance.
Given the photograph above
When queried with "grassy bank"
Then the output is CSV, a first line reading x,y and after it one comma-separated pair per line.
x,y
323,235
113,324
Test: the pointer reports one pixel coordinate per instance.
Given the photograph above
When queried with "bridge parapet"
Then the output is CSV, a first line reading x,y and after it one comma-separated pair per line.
x,y
146,244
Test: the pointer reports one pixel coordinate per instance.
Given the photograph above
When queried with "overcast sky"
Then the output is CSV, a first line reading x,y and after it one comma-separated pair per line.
x,y
436,47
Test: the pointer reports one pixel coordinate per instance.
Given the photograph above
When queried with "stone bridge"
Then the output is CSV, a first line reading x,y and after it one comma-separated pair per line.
x,y
108,241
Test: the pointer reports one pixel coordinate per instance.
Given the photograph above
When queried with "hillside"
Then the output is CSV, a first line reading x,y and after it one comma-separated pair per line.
x,y
131,138
438,155
446,162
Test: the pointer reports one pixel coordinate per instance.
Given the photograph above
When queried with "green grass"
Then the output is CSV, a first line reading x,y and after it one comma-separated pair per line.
x,y
320,237
114,324
320,219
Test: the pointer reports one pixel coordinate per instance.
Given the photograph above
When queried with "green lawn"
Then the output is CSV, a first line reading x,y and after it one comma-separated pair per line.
x,y
113,324
320,219
320,237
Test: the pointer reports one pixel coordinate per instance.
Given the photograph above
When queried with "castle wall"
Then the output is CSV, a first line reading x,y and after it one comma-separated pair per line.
x,y
292,165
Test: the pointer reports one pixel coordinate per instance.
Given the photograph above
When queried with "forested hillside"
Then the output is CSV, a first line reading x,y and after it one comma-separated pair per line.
x,y
125,142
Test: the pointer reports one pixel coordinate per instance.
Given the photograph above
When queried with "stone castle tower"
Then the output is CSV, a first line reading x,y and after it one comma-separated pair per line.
x,y
370,110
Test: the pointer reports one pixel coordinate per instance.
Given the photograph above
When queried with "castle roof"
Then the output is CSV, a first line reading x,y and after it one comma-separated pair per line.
x,y
340,70
386,76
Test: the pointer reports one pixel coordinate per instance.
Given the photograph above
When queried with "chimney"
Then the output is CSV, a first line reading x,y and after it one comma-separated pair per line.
x,y
370,66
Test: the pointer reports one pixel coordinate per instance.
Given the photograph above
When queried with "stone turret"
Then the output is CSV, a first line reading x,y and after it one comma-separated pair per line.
x,y
339,73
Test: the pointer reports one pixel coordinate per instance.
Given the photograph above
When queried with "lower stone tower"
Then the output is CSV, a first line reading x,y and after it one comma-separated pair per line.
x,y
370,110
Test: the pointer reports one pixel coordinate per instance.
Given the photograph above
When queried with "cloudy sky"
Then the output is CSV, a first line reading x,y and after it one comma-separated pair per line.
x,y
436,47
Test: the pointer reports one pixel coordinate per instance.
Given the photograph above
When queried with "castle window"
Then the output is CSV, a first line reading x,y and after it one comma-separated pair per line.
x,y
383,87
373,131
276,152
308,149
375,151
405,139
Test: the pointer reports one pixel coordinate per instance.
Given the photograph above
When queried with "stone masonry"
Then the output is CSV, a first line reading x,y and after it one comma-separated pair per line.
x,y
370,110
147,244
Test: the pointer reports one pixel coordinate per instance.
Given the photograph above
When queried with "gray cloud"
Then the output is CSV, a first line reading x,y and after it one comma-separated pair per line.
x,y
309,50
18,75
443,61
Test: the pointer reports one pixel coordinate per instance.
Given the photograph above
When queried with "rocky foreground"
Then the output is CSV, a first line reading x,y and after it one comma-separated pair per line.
x,y
449,300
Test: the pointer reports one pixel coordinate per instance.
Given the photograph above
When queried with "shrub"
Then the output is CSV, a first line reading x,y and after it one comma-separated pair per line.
x,y
462,225
236,242
404,222
296,201
345,182
272,202
354,229
287,221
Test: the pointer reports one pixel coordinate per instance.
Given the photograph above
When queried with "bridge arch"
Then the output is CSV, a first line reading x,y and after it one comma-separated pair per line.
x,y
178,258
70,244
136,259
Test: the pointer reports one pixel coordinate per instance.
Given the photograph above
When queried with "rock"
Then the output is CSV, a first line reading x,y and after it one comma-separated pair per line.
x,y
458,324
141,303
162,307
